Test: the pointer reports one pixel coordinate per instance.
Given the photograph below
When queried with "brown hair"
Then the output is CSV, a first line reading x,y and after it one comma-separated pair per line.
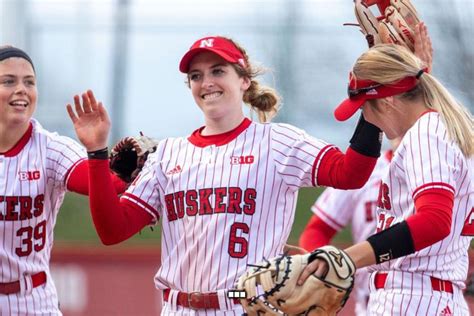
x,y
262,99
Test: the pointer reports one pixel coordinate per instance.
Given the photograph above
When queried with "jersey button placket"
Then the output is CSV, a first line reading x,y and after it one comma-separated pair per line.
x,y
212,154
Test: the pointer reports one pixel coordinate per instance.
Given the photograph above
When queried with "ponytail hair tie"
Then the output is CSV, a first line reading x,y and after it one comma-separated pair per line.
x,y
418,75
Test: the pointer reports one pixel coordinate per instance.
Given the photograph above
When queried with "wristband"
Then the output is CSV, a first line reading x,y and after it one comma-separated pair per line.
x,y
392,243
367,139
102,154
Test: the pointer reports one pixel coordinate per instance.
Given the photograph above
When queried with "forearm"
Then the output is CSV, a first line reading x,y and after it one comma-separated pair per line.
x,y
430,224
114,220
362,254
433,217
78,179
345,171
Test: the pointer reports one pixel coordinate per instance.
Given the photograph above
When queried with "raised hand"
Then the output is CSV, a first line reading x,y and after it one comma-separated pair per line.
x,y
423,47
91,121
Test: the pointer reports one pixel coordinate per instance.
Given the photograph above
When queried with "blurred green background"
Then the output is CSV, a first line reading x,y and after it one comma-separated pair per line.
x,y
74,223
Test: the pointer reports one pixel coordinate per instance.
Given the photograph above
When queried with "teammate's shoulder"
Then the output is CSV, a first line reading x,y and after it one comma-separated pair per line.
x,y
430,118
287,129
49,136
39,130
171,142
429,123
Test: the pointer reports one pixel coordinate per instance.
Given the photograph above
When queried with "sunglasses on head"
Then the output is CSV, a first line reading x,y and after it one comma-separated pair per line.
x,y
356,92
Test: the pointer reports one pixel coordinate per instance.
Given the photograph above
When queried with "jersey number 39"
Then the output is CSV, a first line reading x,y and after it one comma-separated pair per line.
x,y
31,239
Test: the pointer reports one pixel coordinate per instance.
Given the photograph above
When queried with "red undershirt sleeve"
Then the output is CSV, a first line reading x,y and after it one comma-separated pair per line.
x,y
432,219
317,233
78,179
114,220
344,171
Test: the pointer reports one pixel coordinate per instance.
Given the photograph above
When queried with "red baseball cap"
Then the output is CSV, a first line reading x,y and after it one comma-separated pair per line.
x,y
215,44
360,91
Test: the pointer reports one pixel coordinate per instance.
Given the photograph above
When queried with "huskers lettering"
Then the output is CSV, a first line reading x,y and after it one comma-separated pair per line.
x,y
19,208
210,201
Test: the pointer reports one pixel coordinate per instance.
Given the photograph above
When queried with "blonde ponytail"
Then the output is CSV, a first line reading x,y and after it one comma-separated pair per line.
x,y
388,63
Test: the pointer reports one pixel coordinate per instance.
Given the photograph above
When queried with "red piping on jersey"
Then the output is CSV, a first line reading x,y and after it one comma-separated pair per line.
x,y
199,140
73,167
432,221
345,171
77,178
114,220
138,201
317,163
432,185
426,112
15,150
329,220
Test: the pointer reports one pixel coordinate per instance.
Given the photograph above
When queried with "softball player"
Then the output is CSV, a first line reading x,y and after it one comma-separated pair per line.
x,y
425,203
334,209
226,194
36,169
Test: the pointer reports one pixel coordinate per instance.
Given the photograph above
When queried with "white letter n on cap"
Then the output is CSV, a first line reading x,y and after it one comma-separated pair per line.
x,y
207,42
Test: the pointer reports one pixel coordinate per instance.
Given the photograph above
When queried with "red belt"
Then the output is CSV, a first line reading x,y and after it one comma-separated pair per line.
x,y
436,284
14,287
196,300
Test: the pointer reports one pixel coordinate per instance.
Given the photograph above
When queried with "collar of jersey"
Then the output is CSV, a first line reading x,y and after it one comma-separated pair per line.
x,y
219,139
15,150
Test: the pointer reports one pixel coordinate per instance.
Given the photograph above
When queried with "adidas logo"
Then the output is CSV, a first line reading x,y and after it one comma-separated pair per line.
x,y
372,92
175,170
446,312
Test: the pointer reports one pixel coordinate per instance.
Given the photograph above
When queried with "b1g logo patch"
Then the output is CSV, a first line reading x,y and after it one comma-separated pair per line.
x,y
29,175
242,160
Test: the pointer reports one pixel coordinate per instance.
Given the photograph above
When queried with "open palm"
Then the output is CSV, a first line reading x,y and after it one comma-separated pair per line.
x,y
91,121
423,46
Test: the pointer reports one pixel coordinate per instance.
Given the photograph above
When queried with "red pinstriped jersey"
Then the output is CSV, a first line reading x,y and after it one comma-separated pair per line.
x,y
33,178
428,158
225,201
338,208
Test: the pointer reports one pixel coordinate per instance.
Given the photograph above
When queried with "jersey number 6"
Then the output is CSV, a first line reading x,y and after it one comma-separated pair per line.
x,y
238,246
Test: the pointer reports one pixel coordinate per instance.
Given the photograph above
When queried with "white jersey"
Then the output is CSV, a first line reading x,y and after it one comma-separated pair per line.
x,y
338,208
33,183
425,159
225,201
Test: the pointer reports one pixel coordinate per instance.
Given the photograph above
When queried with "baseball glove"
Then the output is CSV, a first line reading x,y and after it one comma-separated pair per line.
x,y
271,287
128,156
396,25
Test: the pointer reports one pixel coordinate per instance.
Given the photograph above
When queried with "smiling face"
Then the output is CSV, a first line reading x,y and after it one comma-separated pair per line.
x,y
216,87
18,92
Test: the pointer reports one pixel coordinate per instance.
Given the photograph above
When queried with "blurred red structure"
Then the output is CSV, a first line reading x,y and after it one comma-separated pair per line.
x,y
101,280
